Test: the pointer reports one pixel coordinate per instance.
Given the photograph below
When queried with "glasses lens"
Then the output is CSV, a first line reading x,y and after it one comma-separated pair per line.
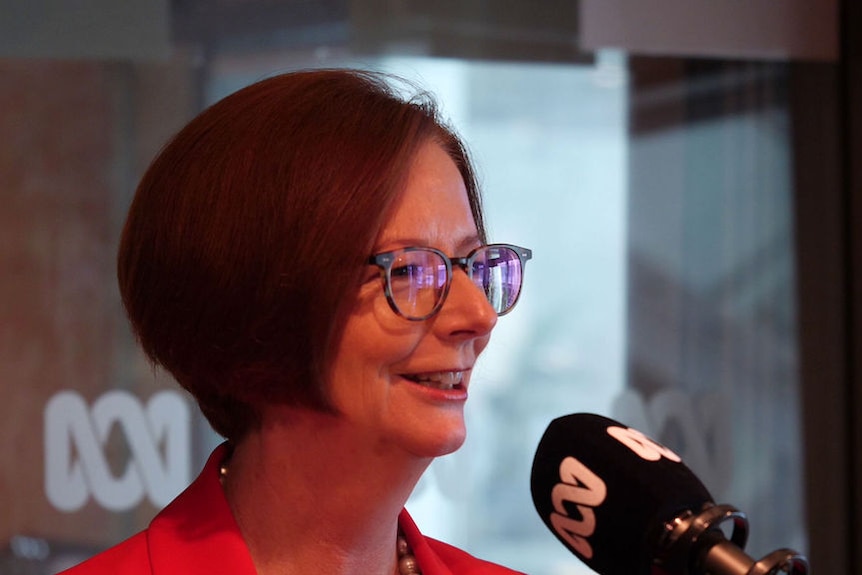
x,y
497,271
417,281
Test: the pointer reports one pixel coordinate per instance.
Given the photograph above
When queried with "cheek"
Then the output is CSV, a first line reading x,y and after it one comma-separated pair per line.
x,y
367,359
373,318
374,336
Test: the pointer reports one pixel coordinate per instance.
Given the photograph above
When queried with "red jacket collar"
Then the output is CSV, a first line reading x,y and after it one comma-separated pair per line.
x,y
196,534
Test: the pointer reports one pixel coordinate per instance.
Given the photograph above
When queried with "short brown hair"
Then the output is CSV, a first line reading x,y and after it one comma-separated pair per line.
x,y
247,235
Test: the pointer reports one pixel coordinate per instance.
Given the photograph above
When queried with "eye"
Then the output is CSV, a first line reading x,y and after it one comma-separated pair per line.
x,y
407,277
406,270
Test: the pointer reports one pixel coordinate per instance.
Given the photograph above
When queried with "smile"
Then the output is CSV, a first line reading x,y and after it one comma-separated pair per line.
x,y
438,380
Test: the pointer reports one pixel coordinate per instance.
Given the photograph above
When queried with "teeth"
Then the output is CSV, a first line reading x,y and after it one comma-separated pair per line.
x,y
440,380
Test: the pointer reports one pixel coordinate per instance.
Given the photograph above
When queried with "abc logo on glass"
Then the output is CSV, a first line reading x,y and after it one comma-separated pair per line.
x,y
76,467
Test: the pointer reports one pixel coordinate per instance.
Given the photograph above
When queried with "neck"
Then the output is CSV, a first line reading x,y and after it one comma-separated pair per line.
x,y
311,495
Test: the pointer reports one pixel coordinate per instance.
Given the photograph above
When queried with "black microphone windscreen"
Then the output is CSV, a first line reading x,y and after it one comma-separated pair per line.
x,y
606,491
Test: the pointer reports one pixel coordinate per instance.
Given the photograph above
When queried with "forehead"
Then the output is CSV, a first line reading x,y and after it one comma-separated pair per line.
x,y
432,208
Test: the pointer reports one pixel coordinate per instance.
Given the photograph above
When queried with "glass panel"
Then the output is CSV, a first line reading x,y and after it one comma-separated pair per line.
x,y
712,342
654,193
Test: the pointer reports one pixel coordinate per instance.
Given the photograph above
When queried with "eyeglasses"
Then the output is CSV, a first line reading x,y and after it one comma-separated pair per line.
x,y
417,280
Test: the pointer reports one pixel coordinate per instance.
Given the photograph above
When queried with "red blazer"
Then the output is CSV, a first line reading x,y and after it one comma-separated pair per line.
x,y
196,535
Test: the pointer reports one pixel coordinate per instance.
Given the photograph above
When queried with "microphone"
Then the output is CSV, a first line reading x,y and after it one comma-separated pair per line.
x,y
627,505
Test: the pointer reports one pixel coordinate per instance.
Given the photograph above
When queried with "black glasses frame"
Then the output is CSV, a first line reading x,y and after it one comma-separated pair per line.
x,y
385,260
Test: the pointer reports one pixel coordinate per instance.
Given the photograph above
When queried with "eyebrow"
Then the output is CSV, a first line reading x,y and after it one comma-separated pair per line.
x,y
469,243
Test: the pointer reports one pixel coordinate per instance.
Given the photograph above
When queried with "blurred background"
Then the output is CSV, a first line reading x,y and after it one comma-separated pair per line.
x,y
687,175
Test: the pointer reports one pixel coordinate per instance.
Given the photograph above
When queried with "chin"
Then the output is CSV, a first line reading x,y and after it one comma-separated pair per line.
x,y
441,444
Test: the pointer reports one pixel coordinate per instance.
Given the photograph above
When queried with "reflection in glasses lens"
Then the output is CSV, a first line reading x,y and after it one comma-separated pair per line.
x,y
417,279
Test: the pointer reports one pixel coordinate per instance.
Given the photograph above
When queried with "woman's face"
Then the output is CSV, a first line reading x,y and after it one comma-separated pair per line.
x,y
400,382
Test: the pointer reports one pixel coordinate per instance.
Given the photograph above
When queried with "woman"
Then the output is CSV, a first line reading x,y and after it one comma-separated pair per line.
x,y
308,258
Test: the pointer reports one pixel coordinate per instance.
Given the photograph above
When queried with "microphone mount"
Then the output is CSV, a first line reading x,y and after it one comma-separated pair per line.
x,y
695,543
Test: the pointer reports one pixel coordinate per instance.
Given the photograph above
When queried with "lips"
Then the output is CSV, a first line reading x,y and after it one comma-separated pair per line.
x,y
445,380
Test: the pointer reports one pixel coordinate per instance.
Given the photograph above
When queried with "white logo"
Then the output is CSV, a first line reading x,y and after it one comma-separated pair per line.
x,y
586,490
73,429
643,446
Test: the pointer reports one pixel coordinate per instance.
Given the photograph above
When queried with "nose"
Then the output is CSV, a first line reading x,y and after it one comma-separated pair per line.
x,y
466,313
